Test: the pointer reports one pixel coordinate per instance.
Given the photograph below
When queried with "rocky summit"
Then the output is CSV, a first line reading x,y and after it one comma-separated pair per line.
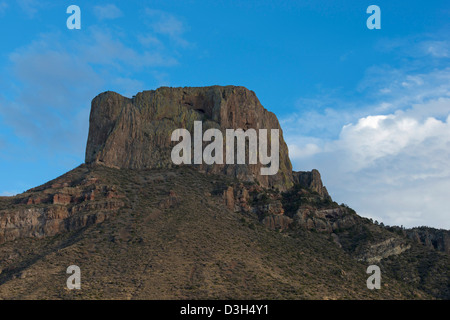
x,y
140,227
136,133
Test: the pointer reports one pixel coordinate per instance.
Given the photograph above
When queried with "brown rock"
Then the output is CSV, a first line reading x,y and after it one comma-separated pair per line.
x,y
324,220
281,222
61,199
228,196
438,239
311,180
273,208
135,133
65,210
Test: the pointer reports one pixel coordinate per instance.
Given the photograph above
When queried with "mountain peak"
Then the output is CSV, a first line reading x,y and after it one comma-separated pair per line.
x,y
136,133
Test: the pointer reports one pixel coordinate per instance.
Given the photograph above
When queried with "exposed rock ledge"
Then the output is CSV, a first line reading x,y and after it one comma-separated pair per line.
x,y
376,252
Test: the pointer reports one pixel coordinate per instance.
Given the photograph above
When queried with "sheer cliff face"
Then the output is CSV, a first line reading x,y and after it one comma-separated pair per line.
x,y
136,133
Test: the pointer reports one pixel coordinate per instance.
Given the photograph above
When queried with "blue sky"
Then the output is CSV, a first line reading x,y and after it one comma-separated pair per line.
x,y
368,108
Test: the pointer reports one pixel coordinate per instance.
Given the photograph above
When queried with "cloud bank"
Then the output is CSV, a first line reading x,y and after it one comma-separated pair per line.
x,y
389,157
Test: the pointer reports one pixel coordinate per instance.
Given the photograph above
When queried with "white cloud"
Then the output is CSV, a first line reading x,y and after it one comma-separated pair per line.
x,y
299,151
383,136
390,163
167,24
438,49
414,46
104,49
400,87
107,12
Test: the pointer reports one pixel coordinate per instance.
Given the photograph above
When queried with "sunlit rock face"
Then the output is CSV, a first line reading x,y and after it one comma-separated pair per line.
x,y
136,133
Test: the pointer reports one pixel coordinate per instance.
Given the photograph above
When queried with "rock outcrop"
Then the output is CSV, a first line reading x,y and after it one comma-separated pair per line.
x,y
376,252
431,238
58,207
311,180
136,133
324,220
256,200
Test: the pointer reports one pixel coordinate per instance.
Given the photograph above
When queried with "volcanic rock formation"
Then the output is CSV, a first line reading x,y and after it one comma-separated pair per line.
x,y
135,133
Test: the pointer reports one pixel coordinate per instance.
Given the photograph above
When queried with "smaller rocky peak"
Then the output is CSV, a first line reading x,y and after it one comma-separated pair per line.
x,y
311,180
